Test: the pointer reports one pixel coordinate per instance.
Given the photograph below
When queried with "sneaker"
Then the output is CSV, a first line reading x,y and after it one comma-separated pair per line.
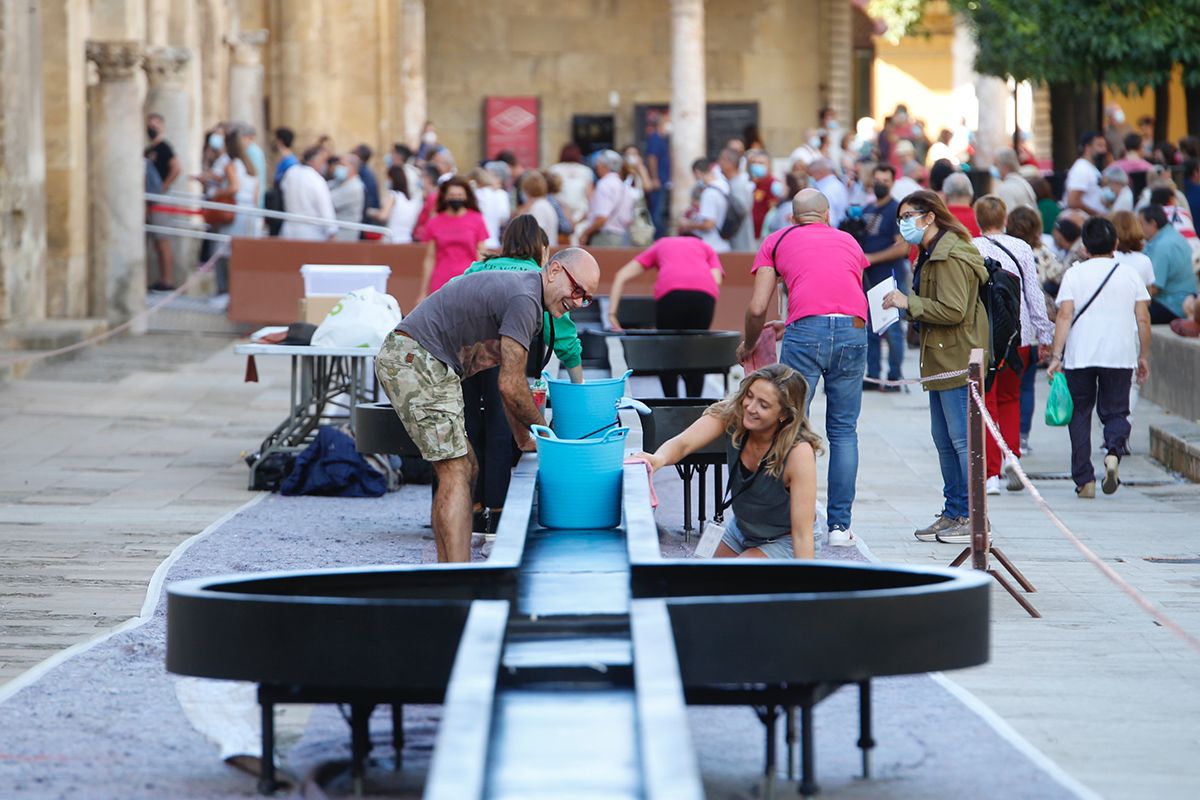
x,y
1111,479
840,537
957,533
1087,491
869,386
1014,482
992,485
1025,448
940,524
889,389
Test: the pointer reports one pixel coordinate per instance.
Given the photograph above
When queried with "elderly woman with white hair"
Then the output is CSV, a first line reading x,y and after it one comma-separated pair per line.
x,y
611,208
1115,191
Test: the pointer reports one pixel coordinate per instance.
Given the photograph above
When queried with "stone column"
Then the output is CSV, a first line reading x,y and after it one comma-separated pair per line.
x,y
299,53
117,183
412,70
687,98
994,102
64,94
214,91
838,62
246,80
167,94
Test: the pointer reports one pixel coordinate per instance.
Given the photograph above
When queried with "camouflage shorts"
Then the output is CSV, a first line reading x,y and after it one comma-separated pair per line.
x,y
427,396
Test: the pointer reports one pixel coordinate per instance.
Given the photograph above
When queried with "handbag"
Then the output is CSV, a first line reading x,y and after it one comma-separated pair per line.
x,y
1059,405
218,218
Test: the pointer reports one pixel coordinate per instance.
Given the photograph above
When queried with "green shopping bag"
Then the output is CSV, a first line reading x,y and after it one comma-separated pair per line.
x,y
1059,406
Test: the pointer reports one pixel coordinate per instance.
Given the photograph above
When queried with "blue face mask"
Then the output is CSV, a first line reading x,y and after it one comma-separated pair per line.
x,y
758,171
340,173
910,232
216,141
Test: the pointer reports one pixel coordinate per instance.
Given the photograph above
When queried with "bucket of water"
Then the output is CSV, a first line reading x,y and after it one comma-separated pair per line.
x,y
581,409
579,480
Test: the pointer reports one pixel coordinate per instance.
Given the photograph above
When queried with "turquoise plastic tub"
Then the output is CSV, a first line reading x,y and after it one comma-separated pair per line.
x,y
579,480
584,409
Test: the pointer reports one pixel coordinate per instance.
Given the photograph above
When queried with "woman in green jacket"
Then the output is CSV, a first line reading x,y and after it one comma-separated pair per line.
x,y
524,248
945,305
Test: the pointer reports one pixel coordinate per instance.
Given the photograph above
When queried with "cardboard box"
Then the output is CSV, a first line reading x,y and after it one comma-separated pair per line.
x,y
314,308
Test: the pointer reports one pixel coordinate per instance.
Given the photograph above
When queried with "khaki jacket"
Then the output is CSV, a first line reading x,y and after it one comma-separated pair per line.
x,y
953,319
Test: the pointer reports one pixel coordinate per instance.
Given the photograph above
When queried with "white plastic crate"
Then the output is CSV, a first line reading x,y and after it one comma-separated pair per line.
x,y
338,279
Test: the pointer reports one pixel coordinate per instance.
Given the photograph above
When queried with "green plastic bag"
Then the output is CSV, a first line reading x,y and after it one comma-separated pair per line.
x,y
1059,406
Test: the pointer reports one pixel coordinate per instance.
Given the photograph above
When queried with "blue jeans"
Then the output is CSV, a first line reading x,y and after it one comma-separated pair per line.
x,y
948,423
896,344
656,204
1028,392
834,349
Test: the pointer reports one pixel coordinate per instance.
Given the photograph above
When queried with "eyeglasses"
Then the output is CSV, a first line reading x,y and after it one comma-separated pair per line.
x,y
912,214
577,291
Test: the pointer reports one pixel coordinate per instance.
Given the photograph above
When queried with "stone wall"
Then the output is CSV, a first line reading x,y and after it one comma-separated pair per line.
x,y
22,164
572,55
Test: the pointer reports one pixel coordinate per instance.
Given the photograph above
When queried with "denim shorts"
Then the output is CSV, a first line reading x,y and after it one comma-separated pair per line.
x,y
780,547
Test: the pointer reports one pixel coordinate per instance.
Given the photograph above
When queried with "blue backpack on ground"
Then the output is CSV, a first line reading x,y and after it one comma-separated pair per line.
x,y
332,467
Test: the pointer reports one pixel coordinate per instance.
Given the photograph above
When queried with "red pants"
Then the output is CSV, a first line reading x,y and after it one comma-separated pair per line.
x,y
1004,404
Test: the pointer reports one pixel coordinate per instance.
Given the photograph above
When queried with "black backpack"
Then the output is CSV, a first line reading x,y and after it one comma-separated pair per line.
x,y
1001,296
274,202
735,215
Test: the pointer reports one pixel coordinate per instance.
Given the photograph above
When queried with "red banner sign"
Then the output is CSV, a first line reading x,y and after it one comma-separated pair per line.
x,y
512,123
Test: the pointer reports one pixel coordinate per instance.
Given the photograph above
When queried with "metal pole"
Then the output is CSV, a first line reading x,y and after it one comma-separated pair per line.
x,y
977,466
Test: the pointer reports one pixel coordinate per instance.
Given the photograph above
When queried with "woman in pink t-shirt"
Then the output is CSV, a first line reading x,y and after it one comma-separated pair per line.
x,y
456,236
685,294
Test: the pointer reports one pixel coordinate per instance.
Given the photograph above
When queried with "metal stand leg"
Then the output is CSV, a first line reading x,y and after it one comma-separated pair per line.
x,y
790,733
398,733
1020,598
865,742
808,776
685,472
360,743
701,471
266,777
1012,569
768,715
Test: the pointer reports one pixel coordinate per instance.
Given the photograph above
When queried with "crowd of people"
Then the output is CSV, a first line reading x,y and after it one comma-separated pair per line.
x,y
843,213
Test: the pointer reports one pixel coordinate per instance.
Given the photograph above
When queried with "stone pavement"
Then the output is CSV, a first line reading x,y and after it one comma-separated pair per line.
x,y
118,456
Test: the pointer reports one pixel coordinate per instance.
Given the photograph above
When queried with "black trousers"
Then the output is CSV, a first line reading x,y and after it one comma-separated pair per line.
x,y
490,436
684,310
1107,390
1160,314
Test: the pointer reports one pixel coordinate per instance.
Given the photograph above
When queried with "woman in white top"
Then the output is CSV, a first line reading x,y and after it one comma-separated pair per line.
x,y
1037,333
241,178
533,186
494,202
398,210
577,181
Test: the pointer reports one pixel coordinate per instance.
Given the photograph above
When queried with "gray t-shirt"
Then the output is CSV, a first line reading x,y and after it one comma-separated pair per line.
x,y
461,323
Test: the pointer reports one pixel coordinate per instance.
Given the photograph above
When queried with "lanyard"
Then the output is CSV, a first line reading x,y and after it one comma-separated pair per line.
x,y
730,495
549,347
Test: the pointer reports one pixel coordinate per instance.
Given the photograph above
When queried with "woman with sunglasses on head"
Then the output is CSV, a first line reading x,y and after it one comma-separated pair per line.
x,y
944,304
772,456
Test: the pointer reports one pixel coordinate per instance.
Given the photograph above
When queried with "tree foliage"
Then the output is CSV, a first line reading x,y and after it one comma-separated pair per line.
x,y
1121,44
900,16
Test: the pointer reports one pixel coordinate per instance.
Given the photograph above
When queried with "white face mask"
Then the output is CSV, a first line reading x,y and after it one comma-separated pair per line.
x,y
429,137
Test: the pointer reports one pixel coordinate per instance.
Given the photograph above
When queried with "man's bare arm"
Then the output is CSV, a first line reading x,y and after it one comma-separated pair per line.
x,y
514,391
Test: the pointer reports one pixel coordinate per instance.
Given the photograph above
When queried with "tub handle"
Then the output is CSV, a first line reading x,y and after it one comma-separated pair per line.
x,y
543,432
615,433
641,408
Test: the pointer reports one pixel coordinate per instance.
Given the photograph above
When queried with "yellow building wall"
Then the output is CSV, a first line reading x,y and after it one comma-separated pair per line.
x,y
1141,104
919,72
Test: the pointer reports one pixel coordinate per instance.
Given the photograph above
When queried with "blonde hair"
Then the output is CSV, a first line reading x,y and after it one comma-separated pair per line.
x,y
793,395
1130,238
990,213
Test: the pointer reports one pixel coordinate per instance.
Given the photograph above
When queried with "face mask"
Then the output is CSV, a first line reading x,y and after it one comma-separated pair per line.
x,y
832,125
881,191
1119,117
387,160
429,137
910,232
667,129
815,142
340,173
1108,195
778,189
216,142
632,160
1100,160
994,171
456,204
758,171
151,134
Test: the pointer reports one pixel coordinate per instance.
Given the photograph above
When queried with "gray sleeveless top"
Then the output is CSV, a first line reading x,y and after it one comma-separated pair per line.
x,y
763,511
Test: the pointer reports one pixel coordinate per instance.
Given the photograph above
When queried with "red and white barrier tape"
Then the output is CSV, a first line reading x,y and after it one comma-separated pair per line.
x,y
911,381
1142,601
42,355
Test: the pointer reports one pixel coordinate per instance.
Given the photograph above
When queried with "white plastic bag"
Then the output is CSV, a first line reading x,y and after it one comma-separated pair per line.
x,y
362,318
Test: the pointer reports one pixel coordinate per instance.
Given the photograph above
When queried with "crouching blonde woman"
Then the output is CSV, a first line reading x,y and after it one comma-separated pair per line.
x,y
772,455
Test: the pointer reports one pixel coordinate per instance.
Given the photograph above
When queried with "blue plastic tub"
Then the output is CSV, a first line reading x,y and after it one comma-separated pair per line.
x,y
579,480
583,409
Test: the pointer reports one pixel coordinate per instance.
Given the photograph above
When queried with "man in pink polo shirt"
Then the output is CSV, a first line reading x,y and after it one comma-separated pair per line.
x,y
826,334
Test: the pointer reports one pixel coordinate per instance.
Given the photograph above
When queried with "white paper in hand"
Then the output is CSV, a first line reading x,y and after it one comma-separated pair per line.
x,y
882,318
